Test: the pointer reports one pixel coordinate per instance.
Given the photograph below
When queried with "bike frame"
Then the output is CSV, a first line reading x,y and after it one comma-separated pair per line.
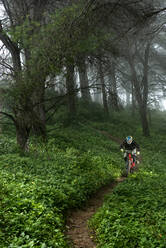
x,y
130,162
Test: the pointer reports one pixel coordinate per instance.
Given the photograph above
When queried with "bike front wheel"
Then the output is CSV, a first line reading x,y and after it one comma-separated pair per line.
x,y
128,167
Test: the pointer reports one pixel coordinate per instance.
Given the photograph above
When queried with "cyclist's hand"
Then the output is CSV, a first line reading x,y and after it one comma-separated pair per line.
x,y
122,150
138,153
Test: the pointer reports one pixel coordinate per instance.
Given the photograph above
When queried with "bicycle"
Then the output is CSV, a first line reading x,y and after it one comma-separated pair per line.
x,y
130,162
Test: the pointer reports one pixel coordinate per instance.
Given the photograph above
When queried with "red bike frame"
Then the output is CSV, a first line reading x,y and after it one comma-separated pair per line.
x,y
130,163
131,159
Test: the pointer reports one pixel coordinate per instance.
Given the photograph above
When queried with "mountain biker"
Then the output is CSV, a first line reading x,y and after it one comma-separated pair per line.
x,y
130,144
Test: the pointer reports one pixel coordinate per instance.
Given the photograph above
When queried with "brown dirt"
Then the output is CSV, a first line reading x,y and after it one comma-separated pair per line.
x,y
77,230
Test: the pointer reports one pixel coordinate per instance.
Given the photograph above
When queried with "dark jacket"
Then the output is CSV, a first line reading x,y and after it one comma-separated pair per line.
x,y
131,146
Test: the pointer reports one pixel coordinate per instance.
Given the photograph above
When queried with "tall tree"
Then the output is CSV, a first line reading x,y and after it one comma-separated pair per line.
x,y
84,84
103,87
141,86
29,88
70,86
39,50
113,94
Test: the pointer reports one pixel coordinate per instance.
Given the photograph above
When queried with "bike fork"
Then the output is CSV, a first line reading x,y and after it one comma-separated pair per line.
x,y
128,167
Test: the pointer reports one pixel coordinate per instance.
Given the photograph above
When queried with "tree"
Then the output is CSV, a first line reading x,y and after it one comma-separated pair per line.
x,y
70,86
103,87
84,84
141,86
27,89
113,94
44,46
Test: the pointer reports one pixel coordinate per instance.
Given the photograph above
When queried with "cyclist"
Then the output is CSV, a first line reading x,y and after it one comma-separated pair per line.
x,y
130,144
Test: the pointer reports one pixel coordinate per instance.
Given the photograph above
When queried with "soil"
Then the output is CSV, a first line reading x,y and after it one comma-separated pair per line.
x,y
77,230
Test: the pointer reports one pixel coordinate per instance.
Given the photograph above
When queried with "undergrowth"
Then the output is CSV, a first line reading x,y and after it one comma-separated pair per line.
x,y
36,189
134,214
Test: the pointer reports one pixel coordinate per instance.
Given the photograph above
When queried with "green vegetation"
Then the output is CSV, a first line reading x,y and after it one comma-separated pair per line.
x,y
37,188
134,215
67,68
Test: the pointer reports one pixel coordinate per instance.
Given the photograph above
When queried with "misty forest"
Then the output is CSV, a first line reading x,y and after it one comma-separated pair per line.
x,y
76,78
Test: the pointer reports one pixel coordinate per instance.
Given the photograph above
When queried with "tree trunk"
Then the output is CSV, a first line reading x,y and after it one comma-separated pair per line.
x,y
104,94
149,117
113,89
38,115
133,99
142,98
146,130
23,112
22,134
97,94
128,98
144,120
142,109
36,96
70,86
84,84
22,128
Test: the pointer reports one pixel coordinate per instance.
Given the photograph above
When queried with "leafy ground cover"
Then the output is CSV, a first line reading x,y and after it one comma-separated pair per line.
x,y
135,215
37,188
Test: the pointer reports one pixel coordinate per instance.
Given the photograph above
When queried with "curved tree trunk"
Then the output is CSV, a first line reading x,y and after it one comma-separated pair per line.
x,y
23,108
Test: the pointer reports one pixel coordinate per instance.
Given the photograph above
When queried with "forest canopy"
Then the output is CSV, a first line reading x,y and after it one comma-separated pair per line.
x,y
58,53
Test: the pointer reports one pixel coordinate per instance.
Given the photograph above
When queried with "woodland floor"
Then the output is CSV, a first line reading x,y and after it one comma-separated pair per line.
x,y
77,232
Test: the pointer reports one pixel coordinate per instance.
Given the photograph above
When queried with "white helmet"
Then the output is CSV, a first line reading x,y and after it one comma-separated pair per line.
x,y
129,139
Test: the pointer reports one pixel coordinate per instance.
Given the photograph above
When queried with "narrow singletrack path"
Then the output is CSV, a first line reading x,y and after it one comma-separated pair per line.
x,y
77,230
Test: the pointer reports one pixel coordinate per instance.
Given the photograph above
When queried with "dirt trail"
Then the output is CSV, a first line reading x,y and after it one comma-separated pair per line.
x,y
78,232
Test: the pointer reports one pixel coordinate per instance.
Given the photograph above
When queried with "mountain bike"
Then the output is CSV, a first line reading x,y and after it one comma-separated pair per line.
x,y
130,162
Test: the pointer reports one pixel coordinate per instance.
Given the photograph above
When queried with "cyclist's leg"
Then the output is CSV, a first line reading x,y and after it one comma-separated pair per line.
x,y
128,165
134,156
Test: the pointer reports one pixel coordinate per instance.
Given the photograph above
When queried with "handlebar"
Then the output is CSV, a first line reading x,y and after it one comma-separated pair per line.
x,y
131,151
128,151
